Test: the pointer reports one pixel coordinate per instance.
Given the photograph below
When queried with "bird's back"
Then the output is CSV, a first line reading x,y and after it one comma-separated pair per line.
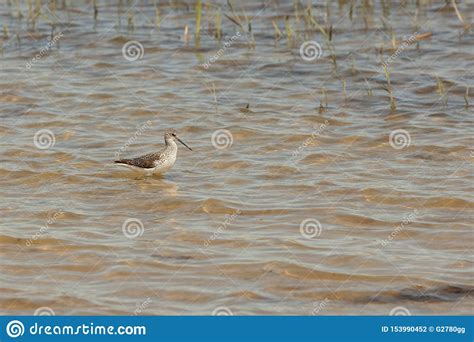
x,y
161,160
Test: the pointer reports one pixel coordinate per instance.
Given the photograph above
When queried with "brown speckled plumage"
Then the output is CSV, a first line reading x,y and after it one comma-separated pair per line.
x,y
146,162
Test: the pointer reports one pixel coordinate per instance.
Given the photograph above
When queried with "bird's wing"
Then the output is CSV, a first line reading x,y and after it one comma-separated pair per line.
x,y
146,162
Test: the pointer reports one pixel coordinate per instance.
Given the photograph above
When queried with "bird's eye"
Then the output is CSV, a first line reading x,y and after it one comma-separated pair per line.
x,y
174,134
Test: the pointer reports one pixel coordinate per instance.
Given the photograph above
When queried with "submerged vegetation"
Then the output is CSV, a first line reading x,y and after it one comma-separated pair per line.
x,y
290,23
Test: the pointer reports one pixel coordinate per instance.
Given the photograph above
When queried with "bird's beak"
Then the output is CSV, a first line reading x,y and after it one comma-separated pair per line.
x,y
189,148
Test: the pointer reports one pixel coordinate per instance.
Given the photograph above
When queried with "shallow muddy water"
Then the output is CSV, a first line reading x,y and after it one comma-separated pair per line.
x,y
305,192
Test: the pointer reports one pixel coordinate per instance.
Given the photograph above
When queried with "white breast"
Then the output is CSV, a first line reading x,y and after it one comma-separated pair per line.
x,y
166,162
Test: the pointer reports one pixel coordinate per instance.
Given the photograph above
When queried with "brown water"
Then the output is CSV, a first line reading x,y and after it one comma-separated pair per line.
x,y
231,226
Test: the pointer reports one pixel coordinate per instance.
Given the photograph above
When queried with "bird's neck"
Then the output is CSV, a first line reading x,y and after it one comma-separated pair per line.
x,y
171,144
